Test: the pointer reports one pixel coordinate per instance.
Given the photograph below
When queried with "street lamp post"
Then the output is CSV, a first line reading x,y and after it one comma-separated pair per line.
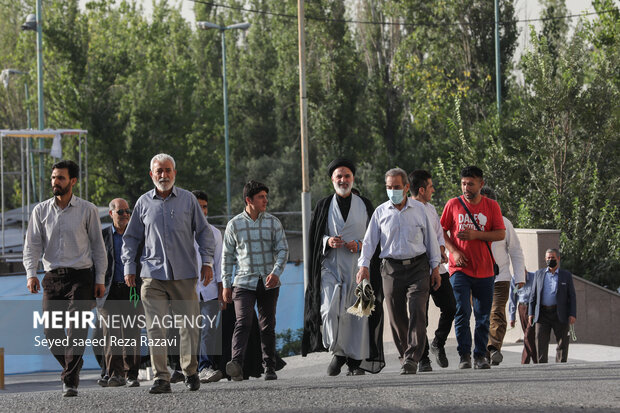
x,y
35,23
243,26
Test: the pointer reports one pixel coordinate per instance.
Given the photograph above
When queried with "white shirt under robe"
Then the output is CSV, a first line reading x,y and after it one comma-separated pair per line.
x,y
343,334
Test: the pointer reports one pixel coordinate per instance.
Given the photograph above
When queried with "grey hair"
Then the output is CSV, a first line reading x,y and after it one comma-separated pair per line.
x,y
161,157
554,250
488,192
398,172
112,204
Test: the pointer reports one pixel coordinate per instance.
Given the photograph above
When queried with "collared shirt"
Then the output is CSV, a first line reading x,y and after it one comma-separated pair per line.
x,y
435,222
118,275
257,248
66,238
550,287
403,234
520,296
168,227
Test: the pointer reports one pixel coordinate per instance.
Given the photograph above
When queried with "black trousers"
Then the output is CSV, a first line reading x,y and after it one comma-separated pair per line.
x,y
548,320
444,299
70,292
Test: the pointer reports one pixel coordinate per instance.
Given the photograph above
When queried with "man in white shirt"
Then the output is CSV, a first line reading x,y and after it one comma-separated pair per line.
x,y
409,250
504,252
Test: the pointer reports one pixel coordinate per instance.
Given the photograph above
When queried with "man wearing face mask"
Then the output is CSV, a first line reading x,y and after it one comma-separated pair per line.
x,y
553,305
409,250
337,228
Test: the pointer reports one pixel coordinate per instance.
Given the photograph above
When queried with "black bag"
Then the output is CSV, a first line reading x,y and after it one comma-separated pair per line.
x,y
495,266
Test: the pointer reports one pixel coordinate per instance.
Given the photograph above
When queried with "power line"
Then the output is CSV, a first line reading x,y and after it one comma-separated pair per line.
x,y
384,23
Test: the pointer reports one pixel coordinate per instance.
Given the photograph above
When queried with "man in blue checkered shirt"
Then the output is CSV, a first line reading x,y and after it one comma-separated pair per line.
x,y
254,243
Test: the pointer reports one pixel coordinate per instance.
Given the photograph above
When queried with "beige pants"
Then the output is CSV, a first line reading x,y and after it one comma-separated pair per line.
x,y
160,299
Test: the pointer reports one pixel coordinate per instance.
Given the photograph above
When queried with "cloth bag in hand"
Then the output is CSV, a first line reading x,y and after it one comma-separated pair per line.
x,y
365,303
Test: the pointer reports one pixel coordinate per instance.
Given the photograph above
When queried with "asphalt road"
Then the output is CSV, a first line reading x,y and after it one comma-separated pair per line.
x,y
304,386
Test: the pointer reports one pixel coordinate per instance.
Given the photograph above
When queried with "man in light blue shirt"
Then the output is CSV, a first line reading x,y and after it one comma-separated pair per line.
x,y
166,220
409,250
518,301
255,243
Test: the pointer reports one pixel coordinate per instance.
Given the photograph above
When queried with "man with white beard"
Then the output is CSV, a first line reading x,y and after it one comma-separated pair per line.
x,y
166,220
338,226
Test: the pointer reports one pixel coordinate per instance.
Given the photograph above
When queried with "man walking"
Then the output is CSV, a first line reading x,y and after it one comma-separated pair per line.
x,y
167,220
422,189
122,362
65,233
470,223
255,243
553,306
409,251
337,228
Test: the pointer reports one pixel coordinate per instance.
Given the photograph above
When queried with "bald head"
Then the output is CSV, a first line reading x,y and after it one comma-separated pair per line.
x,y
119,211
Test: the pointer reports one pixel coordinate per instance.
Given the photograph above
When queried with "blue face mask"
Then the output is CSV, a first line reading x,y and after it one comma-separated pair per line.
x,y
395,195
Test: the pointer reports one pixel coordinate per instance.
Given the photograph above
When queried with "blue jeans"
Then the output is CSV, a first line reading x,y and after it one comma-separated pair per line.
x,y
210,336
481,292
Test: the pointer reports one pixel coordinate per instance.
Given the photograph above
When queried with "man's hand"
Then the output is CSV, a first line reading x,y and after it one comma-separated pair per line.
x,y
206,274
460,260
227,295
571,320
512,323
468,234
351,246
520,285
435,279
99,290
530,320
362,274
33,285
220,297
335,242
444,257
272,281
130,280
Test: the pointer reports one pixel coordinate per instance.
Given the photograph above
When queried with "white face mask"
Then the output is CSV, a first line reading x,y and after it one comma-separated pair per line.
x,y
395,195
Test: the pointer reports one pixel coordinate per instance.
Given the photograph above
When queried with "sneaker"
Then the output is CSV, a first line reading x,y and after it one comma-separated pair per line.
x,y
270,374
133,383
425,365
116,381
234,370
465,361
496,357
69,391
335,366
409,367
440,355
355,372
209,375
481,363
160,386
192,382
177,377
103,382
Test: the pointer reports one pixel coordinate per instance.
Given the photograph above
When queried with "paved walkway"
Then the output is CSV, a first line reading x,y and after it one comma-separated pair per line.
x,y
588,382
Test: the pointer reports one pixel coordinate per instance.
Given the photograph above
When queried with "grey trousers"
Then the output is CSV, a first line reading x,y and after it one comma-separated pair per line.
x,y
406,288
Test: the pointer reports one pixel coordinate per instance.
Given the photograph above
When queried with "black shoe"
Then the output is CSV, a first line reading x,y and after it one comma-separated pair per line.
x,y
192,382
69,391
116,381
103,382
465,361
409,367
133,383
335,366
234,370
496,357
177,377
355,372
481,363
160,386
440,355
270,374
425,365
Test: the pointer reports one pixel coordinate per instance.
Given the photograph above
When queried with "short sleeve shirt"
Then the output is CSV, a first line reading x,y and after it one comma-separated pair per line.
x,y
454,219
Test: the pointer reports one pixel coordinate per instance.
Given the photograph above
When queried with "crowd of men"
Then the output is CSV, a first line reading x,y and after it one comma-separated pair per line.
x,y
164,259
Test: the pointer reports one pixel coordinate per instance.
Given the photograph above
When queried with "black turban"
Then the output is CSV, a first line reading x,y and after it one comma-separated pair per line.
x,y
337,163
